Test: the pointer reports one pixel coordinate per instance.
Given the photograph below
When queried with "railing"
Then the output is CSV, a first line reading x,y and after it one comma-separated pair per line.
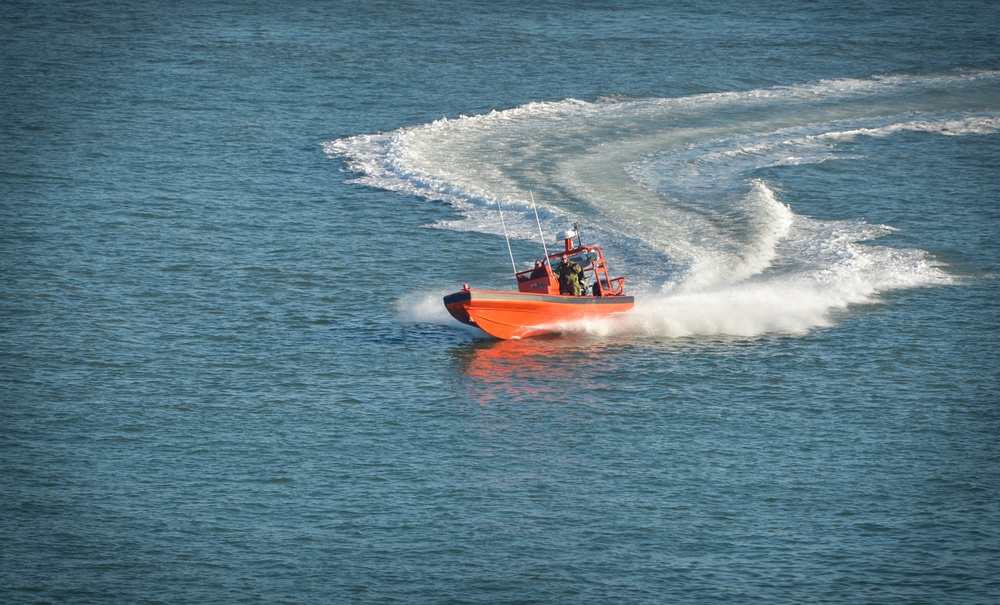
x,y
549,284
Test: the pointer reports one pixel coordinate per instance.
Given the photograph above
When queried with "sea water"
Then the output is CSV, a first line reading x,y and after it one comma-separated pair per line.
x,y
227,376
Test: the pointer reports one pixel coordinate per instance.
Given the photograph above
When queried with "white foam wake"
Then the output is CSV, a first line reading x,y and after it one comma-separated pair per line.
x,y
668,186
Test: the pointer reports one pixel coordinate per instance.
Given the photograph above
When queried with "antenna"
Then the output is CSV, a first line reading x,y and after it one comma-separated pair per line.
x,y
506,237
539,223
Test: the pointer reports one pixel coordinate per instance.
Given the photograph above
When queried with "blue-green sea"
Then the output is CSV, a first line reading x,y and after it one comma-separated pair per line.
x,y
227,375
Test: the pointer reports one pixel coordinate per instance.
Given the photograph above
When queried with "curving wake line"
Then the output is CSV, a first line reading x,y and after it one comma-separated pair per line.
x,y
668,187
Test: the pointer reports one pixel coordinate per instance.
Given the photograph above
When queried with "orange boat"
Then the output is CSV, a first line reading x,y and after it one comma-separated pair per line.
x,y
537,307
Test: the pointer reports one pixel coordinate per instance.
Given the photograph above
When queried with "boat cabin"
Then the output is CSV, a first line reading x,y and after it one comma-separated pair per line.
x,y
544,280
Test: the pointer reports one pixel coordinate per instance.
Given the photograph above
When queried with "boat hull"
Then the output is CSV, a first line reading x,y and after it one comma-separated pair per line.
x,y
508,315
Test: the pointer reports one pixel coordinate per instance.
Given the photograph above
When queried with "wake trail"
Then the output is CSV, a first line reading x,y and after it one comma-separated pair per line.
x,y
668,188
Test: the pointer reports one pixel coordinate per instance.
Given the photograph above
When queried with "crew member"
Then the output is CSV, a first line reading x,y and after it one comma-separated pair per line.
x,y
570,276
539,270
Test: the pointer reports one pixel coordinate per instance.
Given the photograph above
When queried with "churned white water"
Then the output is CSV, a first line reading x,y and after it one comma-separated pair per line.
x,y
671,187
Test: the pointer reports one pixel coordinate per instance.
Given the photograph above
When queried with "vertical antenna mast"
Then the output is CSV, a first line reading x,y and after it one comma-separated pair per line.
x,y
539,223
506,237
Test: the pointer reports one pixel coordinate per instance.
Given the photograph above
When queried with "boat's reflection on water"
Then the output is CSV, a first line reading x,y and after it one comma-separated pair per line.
x,y
551,368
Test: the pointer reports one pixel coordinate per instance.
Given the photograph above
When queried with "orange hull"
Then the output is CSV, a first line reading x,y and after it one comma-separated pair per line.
x,y
519,314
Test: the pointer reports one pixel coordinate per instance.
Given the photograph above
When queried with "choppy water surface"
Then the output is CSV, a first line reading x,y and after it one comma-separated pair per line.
x,y
227,375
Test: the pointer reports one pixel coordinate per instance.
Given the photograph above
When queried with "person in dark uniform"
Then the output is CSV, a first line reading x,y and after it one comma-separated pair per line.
x,y
539,270
570,276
